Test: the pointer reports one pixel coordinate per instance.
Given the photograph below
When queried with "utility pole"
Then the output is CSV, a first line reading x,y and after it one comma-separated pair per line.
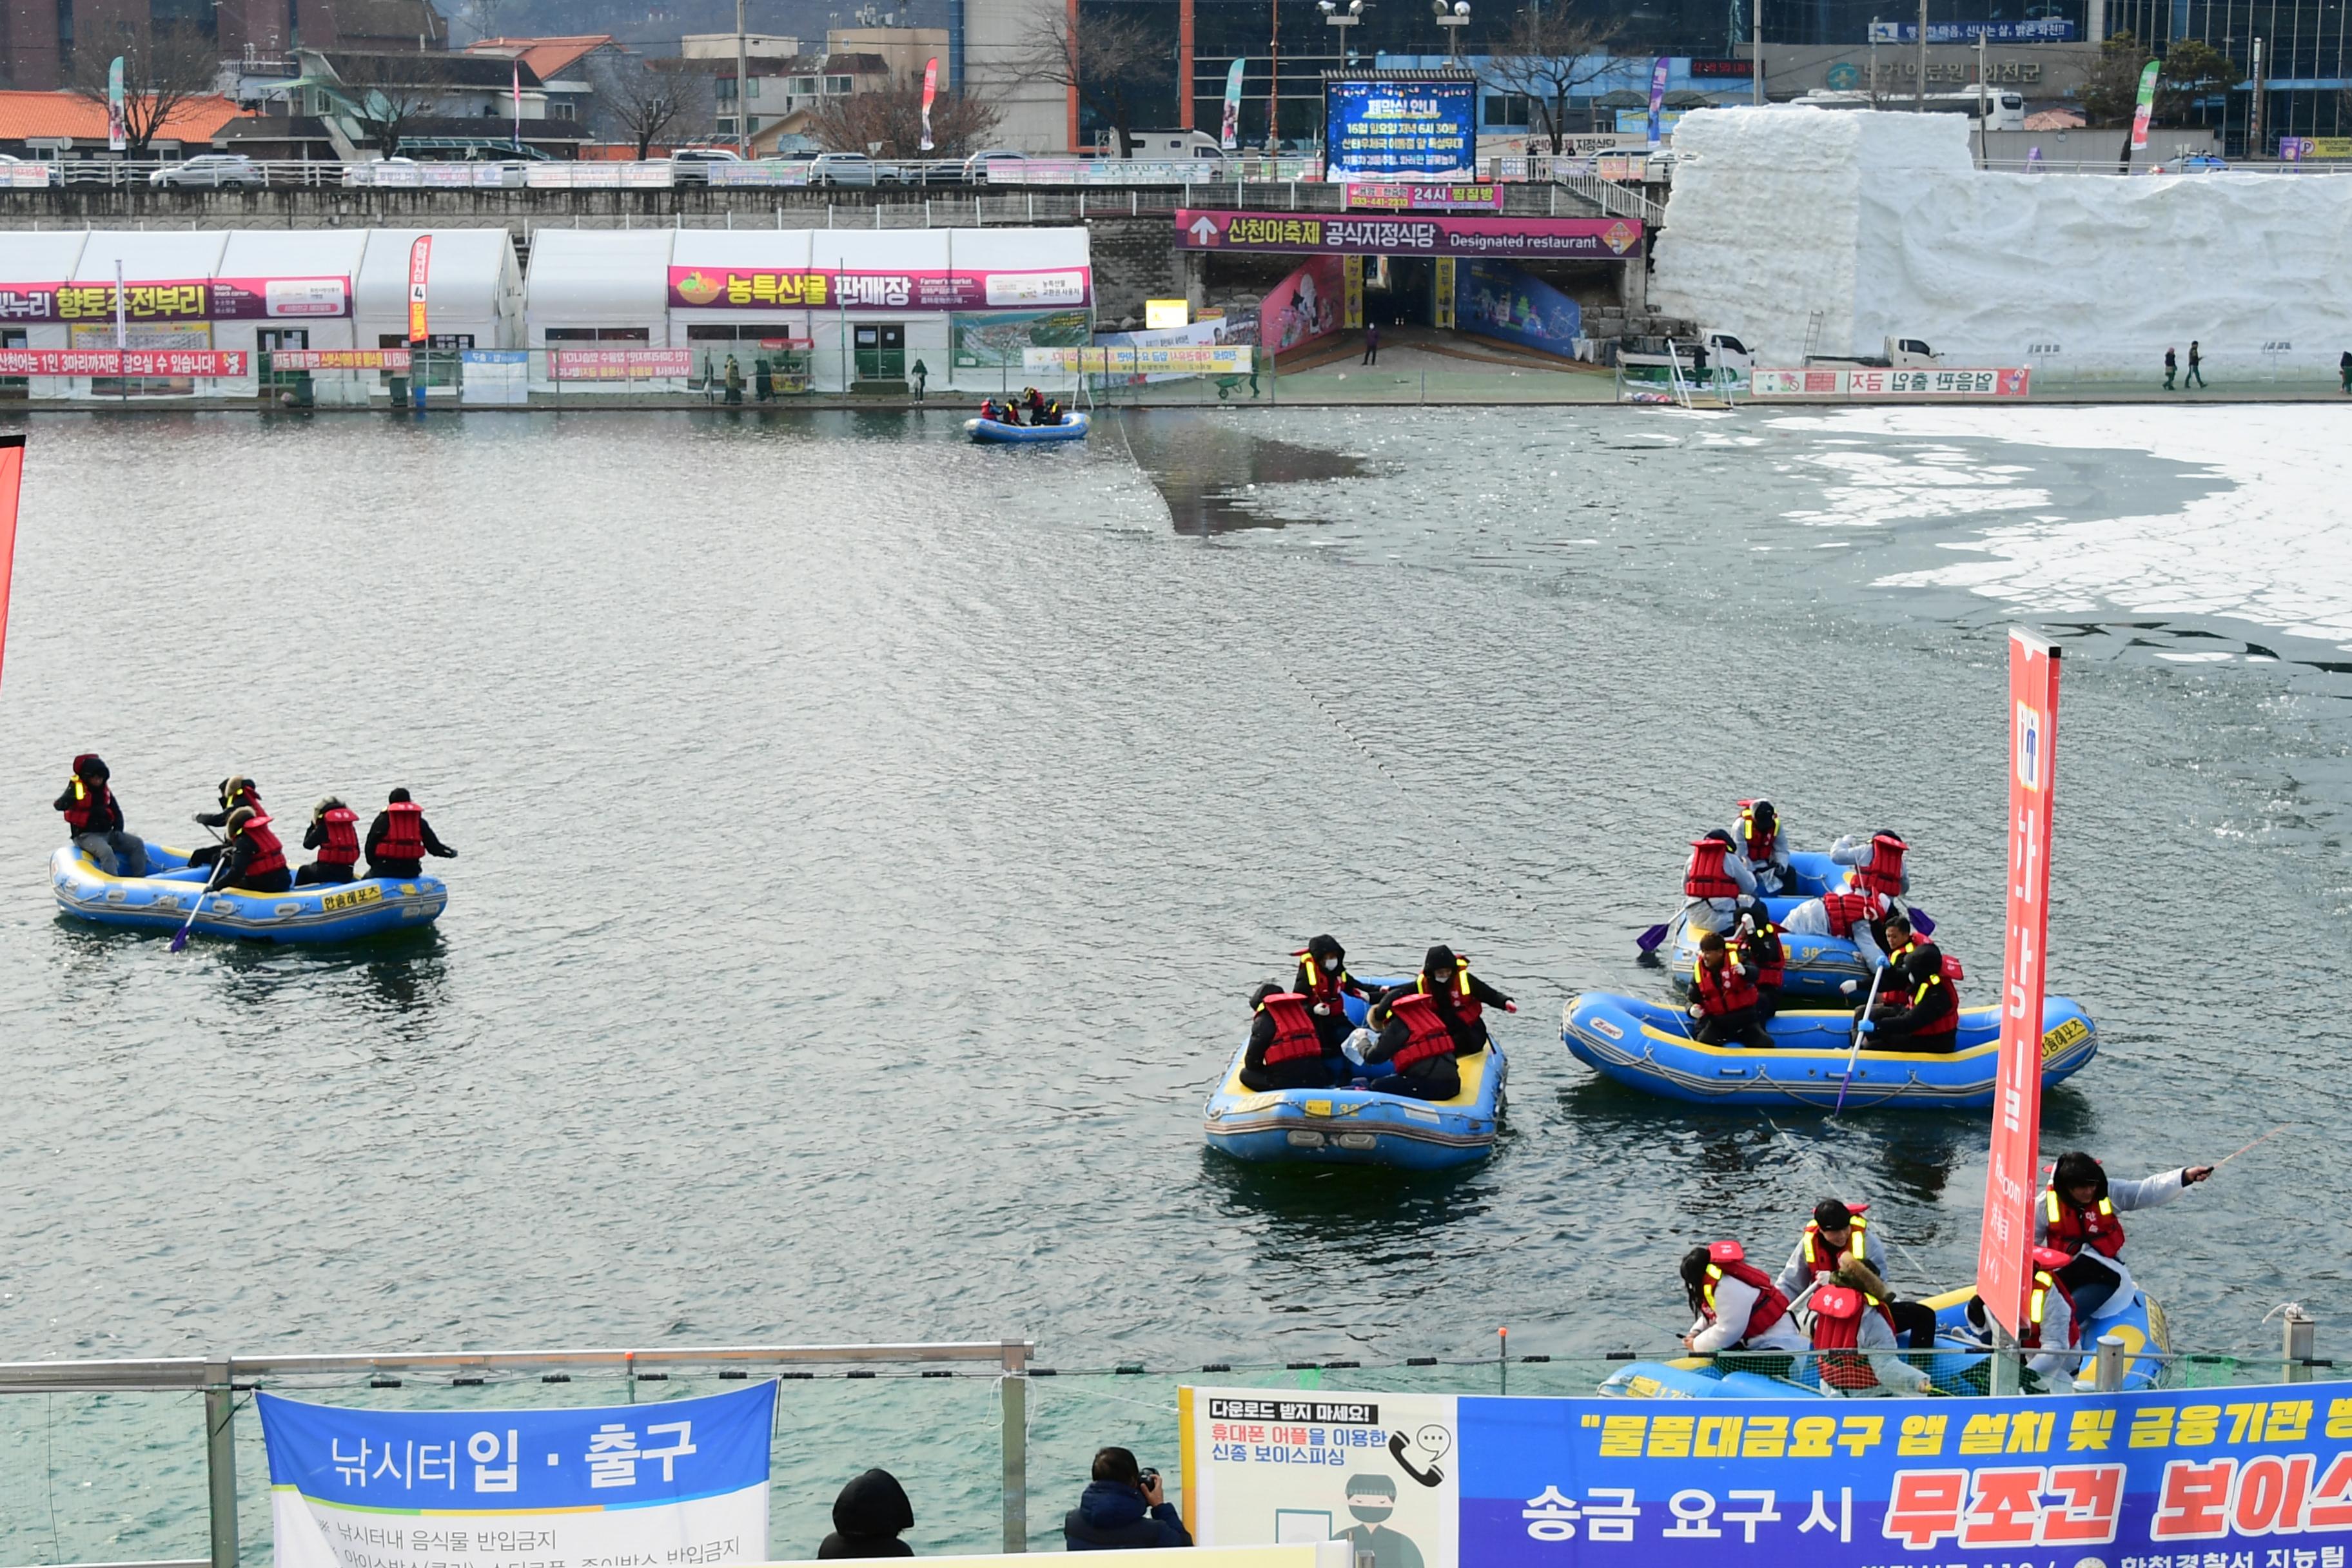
x,y
1984,125
1923,56
744,83
2254,108
1274,85
1756,43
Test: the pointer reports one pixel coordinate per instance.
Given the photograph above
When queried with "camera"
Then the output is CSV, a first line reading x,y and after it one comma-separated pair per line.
x,y
1148,1479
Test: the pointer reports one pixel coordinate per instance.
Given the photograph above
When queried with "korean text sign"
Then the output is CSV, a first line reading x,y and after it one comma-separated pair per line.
x,y
825,289
1379,130
680,1483
1437,233
2235,1478
2013,1176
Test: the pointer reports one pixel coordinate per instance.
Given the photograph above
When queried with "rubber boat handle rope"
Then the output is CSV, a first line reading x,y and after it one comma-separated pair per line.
x,y
1854,1055
180,940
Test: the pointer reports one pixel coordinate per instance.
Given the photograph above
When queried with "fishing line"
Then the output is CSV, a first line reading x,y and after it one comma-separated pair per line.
x,y
1925,1273
2259,1141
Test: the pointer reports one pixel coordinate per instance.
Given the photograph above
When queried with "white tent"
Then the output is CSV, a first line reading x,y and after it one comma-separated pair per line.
x,y
598,288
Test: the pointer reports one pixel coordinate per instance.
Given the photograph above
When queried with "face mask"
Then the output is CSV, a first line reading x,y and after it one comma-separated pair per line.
x,y
1330,966
1371,1513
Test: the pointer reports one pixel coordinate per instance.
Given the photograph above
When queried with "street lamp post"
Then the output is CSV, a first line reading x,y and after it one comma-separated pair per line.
x,y
1342,17
1452,18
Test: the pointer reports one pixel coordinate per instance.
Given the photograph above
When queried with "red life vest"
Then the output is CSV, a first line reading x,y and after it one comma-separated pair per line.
x,y
1837,1327
1721,991
1883,875
342,844
1705,878
269,854
1425,1028
1949,1022
1466,1006
2045,1280
1821,1257
92,810
403,832
2071,1229
1322,986
1294,1028
1846,910
1762,946
1770,1305
1759,848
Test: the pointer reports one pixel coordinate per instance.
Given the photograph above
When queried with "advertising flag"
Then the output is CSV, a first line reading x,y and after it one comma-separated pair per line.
x,y
517,105
2014,1176
118,130
1657,97
2147,106
930,91
1230,137
11,480
420,262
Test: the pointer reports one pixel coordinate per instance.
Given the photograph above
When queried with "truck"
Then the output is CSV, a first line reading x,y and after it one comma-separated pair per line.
x,y
1902,353
1713,356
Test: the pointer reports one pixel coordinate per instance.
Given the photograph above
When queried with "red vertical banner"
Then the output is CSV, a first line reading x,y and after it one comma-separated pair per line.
x,y
11,480
2014,1174
420,263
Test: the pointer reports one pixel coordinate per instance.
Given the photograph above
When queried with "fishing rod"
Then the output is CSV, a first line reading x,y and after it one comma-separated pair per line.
x,y
2259,1141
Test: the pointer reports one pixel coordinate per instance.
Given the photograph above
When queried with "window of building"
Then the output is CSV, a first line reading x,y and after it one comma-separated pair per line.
x,y
840,86
565,110
1507,108
801,85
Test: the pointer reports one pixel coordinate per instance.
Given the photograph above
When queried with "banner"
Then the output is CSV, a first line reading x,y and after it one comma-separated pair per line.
x,y
198,363
794,289
12,481
180,299
931,91
1379,130
420,266
338,359
1816,381
990,342
2013,1179
1543,239
1657,100
1230,137
1498,300
118,129
1397,198
1307,305
681,1482
2237,1477
1143,361
618,364
2146,106
2049,31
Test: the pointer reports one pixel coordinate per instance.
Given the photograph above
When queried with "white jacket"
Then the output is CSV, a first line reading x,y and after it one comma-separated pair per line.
x,y
2150,1191
1735,1301
1794,1276
2057,1327
1812,919
1851,850
1896,1375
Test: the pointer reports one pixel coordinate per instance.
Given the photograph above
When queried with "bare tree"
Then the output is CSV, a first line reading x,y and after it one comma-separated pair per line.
x,y
482,17
894,116
163,70
385,92
2110,89
1551,51
639,103
1102,59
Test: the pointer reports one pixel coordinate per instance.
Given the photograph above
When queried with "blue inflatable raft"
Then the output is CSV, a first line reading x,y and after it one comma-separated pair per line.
x,y
1073,427
1956,1366
1647,1045
161,901
1817,965
1358,1126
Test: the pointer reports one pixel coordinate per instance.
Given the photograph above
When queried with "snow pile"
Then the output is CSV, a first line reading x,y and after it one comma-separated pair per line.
x,y
1882,223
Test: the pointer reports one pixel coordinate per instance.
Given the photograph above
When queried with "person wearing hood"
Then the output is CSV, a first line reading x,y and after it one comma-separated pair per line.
x,y
1715,879
1124,1508
255,860
1460,997
1918,1008
94,820
235,791
1876,862
399,839
868,1517
1725,1003
1757,839
1286,1050
334,834
1371,1499
1755,943
1323,979
2077,1216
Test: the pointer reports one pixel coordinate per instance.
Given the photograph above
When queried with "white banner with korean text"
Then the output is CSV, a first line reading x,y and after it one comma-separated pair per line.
x,y
682,1484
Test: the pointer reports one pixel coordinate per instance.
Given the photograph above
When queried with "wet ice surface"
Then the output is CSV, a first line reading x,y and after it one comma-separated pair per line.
x,y
869,840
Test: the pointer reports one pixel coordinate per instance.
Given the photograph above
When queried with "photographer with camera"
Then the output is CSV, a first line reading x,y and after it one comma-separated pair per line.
x,y
1123,1509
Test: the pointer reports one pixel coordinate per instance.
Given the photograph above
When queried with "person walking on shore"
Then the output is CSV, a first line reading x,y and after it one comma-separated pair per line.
x,y
2171,369
1372,342
2343,370
919,374
734,381
2196,372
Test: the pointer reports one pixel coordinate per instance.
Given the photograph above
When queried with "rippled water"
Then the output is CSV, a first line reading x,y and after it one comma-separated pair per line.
x,y
867,841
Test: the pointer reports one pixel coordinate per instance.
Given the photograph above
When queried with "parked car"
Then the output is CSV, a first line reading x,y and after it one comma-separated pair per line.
x,y
210,169
843,169
692,166
983,167
2193,164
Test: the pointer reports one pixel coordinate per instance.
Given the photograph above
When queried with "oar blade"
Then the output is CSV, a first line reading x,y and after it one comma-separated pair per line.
x,y
1650,940
179,940
1921,922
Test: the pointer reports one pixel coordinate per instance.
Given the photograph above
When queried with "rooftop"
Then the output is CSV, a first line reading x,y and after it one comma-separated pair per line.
x,y
547,58
24,114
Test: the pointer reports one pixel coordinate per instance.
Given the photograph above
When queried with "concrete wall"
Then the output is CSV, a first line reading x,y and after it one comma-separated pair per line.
x,y
1036,114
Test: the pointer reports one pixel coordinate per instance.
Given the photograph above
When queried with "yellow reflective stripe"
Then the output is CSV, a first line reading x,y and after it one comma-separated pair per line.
x,y
2106,1208
2050,1203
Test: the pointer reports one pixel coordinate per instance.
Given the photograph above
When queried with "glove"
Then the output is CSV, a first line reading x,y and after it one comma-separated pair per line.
x,y
1848,987
1321,1009
197,817
1697,1011
1870,1026
1510,1006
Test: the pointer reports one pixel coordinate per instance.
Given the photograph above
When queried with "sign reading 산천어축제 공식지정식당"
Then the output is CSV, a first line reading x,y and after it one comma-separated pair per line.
x,y
2228,1477
1407,234
683,1483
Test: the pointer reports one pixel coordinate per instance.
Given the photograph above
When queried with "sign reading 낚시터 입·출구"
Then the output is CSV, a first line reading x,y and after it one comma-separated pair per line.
x,y
683,1484
2224,1478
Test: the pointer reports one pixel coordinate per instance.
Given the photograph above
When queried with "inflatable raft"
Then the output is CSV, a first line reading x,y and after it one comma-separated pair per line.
x,y
1648,1046
1356,1126
1073,427
1956,1366
161,901
1817,965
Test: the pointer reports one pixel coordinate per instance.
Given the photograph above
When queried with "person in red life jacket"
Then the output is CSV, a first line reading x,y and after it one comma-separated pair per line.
x,y
1737,1306
1323,979
1755,943
1759,842
334,833
1877,862
1034,403
94,820
1416,1043
399,839
255,861
1849,1317
1714,880
1724,999
1854,916
2051,1325
1461,998
235,791
1840,1237
2077,1216
1917,1009
1285,1050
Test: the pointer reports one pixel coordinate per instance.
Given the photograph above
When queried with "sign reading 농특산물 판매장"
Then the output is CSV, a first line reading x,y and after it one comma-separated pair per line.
x,y
2224,1478
683,1484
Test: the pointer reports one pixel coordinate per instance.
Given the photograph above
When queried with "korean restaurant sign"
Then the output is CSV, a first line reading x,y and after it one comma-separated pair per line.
x,y
2228,1477
181,299
681,1483
1436,233
825,289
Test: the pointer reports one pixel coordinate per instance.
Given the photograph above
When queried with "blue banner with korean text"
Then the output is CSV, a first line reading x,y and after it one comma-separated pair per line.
x,y
682,1484
1381,129
2227,1477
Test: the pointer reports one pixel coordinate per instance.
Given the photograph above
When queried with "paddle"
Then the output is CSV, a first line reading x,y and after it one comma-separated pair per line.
x,y
197,908
1649,940
1920,922
1854,1055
